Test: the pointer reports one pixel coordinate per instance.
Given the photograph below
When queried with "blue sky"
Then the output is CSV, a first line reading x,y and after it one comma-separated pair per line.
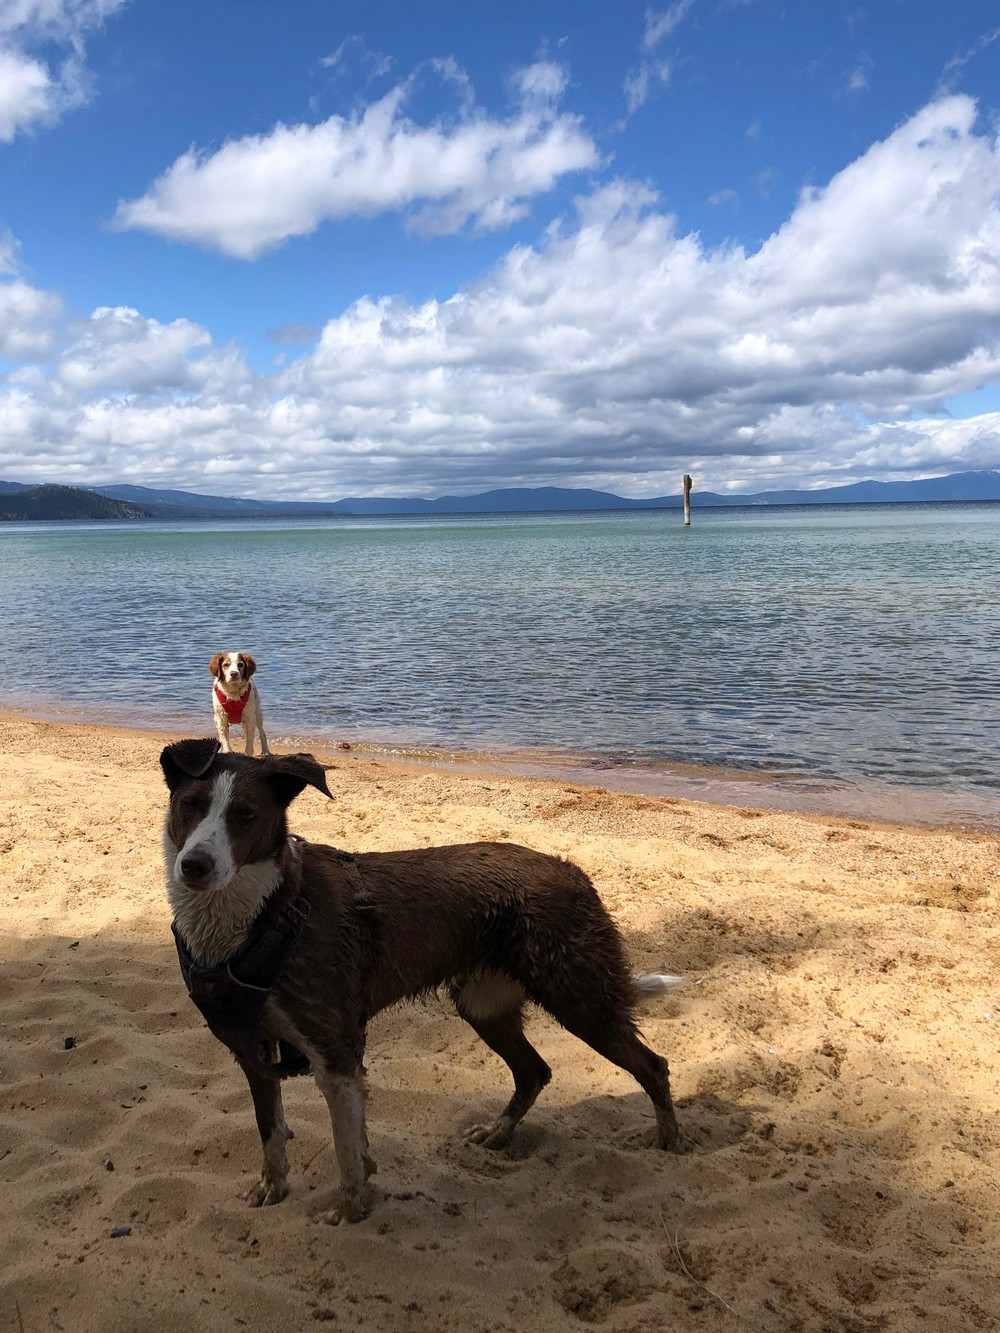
x,y
315,249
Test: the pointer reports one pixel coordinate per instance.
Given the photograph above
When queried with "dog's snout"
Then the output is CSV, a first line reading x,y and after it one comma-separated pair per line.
x,y
196,867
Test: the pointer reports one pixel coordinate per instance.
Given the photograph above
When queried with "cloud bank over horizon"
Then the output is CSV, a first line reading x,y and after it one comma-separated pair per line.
x,y
616,351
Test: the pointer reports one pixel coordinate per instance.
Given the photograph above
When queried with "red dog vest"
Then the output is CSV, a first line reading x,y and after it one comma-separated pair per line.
x,y
234,707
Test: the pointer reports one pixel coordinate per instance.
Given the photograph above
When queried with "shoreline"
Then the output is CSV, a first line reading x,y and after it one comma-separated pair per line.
x,y
904,805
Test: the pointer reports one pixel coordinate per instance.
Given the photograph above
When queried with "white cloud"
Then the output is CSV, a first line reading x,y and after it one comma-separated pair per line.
x,y
28,316
26,319
32,93
30,96
639,82
26,93
55,20
859,79
353,52
958,62
662,25
254,193
615,353
118,349
650,75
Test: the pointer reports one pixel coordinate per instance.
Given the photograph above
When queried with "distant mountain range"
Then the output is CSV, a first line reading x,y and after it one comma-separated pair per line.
x,y
21,501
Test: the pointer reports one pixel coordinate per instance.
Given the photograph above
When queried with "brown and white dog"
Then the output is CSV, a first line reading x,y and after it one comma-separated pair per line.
x,y
289,947
236,700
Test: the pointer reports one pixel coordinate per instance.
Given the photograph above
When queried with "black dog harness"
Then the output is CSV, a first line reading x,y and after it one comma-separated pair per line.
x,y
231,996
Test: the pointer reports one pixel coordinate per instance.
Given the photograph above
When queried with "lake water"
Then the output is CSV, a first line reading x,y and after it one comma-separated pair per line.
x,y
840,657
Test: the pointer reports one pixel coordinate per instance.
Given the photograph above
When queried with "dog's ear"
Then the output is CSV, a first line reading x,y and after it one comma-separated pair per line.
x,y
251,665
216,663
289,773
188,759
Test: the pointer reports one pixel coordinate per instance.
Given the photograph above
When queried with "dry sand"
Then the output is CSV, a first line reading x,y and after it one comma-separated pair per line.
x,y
833,1055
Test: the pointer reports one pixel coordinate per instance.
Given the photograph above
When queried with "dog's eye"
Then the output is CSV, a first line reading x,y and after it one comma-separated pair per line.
x,y
245,816
190,804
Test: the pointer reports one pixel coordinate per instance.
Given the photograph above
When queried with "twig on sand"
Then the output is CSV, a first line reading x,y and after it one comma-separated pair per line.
x,y
675,1246
20,1317
314,1156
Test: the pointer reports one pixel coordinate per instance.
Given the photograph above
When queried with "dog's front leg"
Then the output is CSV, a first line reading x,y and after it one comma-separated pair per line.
x,y
274,1134
223,729
345,1096
265,749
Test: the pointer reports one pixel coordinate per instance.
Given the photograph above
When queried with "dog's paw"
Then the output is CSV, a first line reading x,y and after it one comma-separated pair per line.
x,y
493,1136
353,1207
266,1192
668,1137
666,1140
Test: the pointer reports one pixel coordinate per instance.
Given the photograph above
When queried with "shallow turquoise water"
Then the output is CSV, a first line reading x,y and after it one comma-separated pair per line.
x,y
841,645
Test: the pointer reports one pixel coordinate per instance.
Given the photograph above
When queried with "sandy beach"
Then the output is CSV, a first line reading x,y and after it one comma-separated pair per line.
x,y
834,1058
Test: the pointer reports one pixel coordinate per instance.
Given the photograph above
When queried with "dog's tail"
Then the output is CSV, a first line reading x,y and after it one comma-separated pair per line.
x,y
654,983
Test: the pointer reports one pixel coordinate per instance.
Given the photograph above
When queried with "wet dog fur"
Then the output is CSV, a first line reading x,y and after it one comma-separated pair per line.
x,y
495,924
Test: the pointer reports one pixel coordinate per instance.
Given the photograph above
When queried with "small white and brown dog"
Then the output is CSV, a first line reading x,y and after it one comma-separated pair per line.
x,y
235,700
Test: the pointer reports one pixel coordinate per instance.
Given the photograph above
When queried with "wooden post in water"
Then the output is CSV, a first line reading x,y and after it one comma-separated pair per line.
x,y
687,500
